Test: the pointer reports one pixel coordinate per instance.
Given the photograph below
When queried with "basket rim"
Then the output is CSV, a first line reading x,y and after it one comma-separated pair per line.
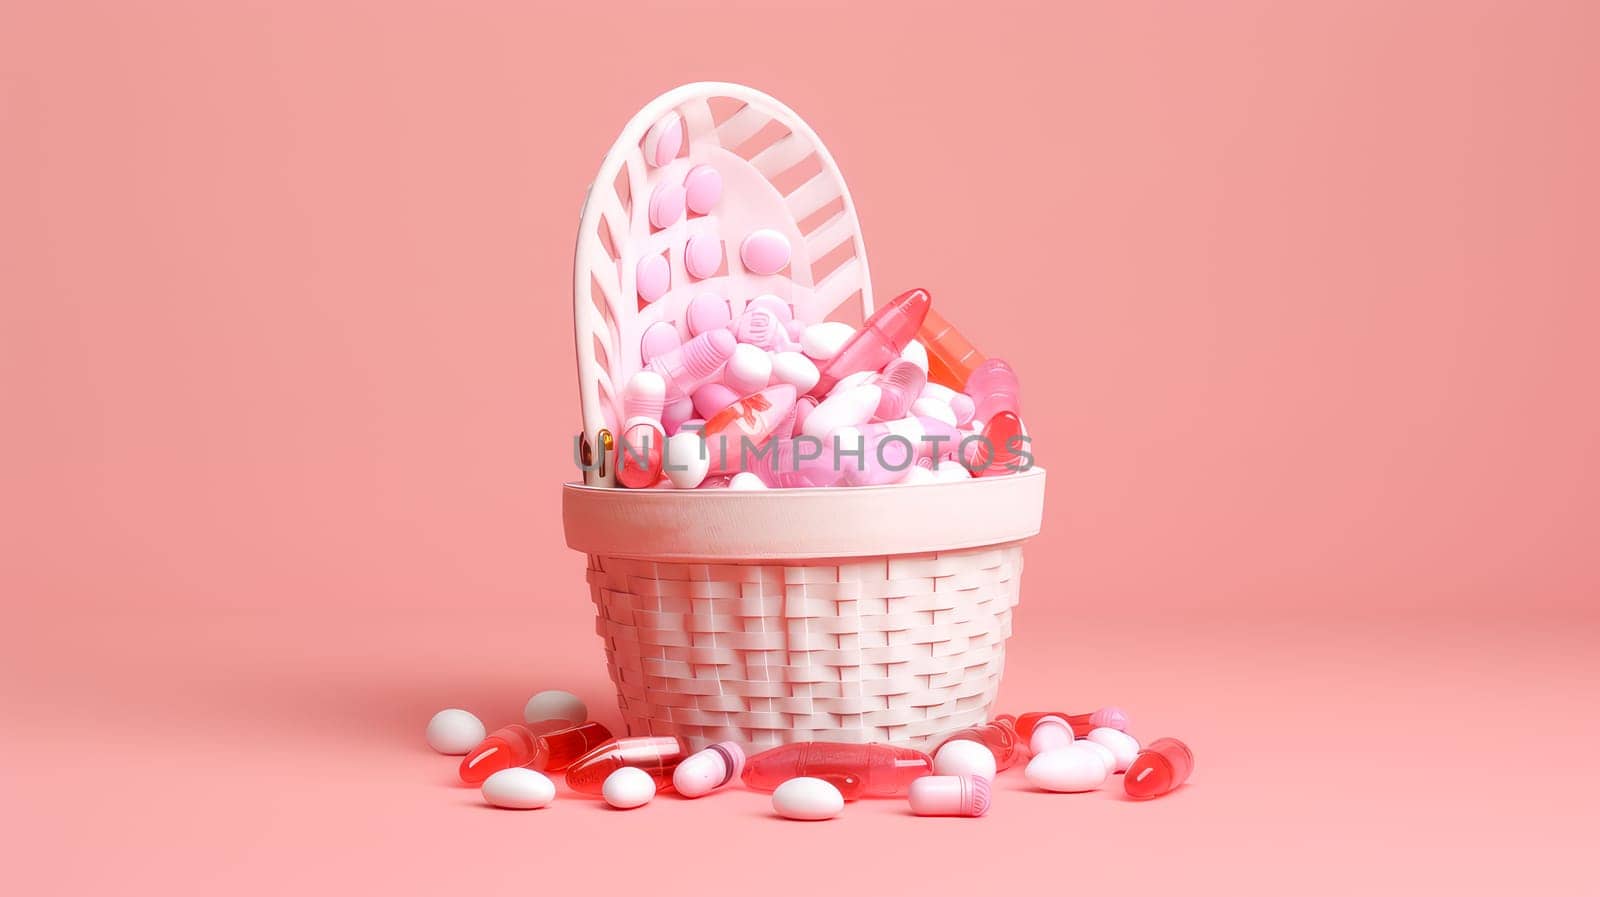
x,y
814,523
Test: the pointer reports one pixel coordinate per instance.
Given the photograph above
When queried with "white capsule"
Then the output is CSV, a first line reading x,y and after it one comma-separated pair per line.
x,y
964,758
628,787
519,788
748,370
807,799
851,381
1122,745
686,460
796,370
844,409
1049,733
704,772
1067,769
916,353
555,705
823,341
746,482
455,731
1099,750
931,407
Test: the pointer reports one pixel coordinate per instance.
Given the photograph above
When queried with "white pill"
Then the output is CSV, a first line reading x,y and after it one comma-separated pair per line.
x,y
455,731
844,409
519,788
964,758
931,407
851,381
1067,769
1099,750
1122,745
796,370
823,341
686,460
951,471
746,482
916,353
1049,733
807,799
919,475
748,370
557,705
628,787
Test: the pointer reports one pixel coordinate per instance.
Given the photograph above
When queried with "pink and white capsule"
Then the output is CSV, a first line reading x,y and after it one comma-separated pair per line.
x,y
704,772
942,795
645,396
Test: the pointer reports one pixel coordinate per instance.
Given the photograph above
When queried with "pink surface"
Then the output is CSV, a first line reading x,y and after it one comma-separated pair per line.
x,y
1303,300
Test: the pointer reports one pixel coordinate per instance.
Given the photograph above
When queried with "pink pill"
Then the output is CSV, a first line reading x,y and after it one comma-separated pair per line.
x,y
764,251
653,278
703,187
773,304
673,416
659,339
713,397
663,140
796,328
702,255
666,205
707,311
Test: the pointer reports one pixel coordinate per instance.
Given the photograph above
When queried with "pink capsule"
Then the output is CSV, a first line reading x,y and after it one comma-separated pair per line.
x,y
901,383
696,362
949,796
712,398
704,772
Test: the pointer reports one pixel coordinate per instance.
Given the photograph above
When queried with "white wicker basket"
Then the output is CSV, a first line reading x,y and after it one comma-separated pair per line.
x,y
844,614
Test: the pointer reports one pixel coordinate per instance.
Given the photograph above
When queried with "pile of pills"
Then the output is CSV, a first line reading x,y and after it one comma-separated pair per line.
x,y
809,780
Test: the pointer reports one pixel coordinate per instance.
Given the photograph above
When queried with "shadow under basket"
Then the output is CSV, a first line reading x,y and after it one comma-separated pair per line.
x,y
847,614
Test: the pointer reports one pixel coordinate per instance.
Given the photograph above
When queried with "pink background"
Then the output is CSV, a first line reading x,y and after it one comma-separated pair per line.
x,y
1304,299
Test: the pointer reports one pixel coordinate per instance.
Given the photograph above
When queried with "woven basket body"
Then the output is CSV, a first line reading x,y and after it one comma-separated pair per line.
x,y
741,616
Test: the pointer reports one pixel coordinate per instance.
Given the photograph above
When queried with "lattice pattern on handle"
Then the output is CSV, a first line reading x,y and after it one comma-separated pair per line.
x,y
777,174
903,649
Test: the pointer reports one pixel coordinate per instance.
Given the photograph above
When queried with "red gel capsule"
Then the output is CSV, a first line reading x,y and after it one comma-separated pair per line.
x,y
1163,765
857,770
517,745
999,736
1081,723
658,755
639,456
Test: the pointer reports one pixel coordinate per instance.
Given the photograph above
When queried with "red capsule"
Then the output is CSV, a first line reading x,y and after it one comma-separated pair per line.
x,y
658,755
1108,717
999,736
1163,765
518,745
857,770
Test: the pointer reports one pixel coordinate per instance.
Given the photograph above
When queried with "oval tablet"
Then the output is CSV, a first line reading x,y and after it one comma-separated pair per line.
x,y
519,788
555,704
707,311
666,205
702,255
1067,769
686,461
663,140
796,370
659,339
962,757
455,731
653,277
628,787
822,341
748,370
1122,745
764,251
807,799
702,188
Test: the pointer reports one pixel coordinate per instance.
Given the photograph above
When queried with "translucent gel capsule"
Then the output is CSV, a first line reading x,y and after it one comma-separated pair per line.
x,y
1163,765
694,363
1001,449
658,755
994,388
901,384
857,770
951,358
999,736
516,745
1110,717
881,339
738,430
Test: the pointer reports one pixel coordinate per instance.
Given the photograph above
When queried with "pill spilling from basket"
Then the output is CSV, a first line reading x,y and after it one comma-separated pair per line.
x,y
1065,753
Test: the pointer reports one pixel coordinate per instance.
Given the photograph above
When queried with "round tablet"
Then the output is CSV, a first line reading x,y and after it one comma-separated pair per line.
x,y
773,304
807,799
666,205
703,187
707,311
454,731
557,705
702,255
764,251
663,140
653,277
519,788
659,339
628,787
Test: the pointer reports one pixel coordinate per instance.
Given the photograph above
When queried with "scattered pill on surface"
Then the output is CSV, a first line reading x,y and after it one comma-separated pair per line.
x,y
1101,751
653,278
1122,745
964,758
822,341
628,787
519,788
1067,769
557,705
664,139
702,188
1050,733
764,251
949,795
1163,765
455,732
807,799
